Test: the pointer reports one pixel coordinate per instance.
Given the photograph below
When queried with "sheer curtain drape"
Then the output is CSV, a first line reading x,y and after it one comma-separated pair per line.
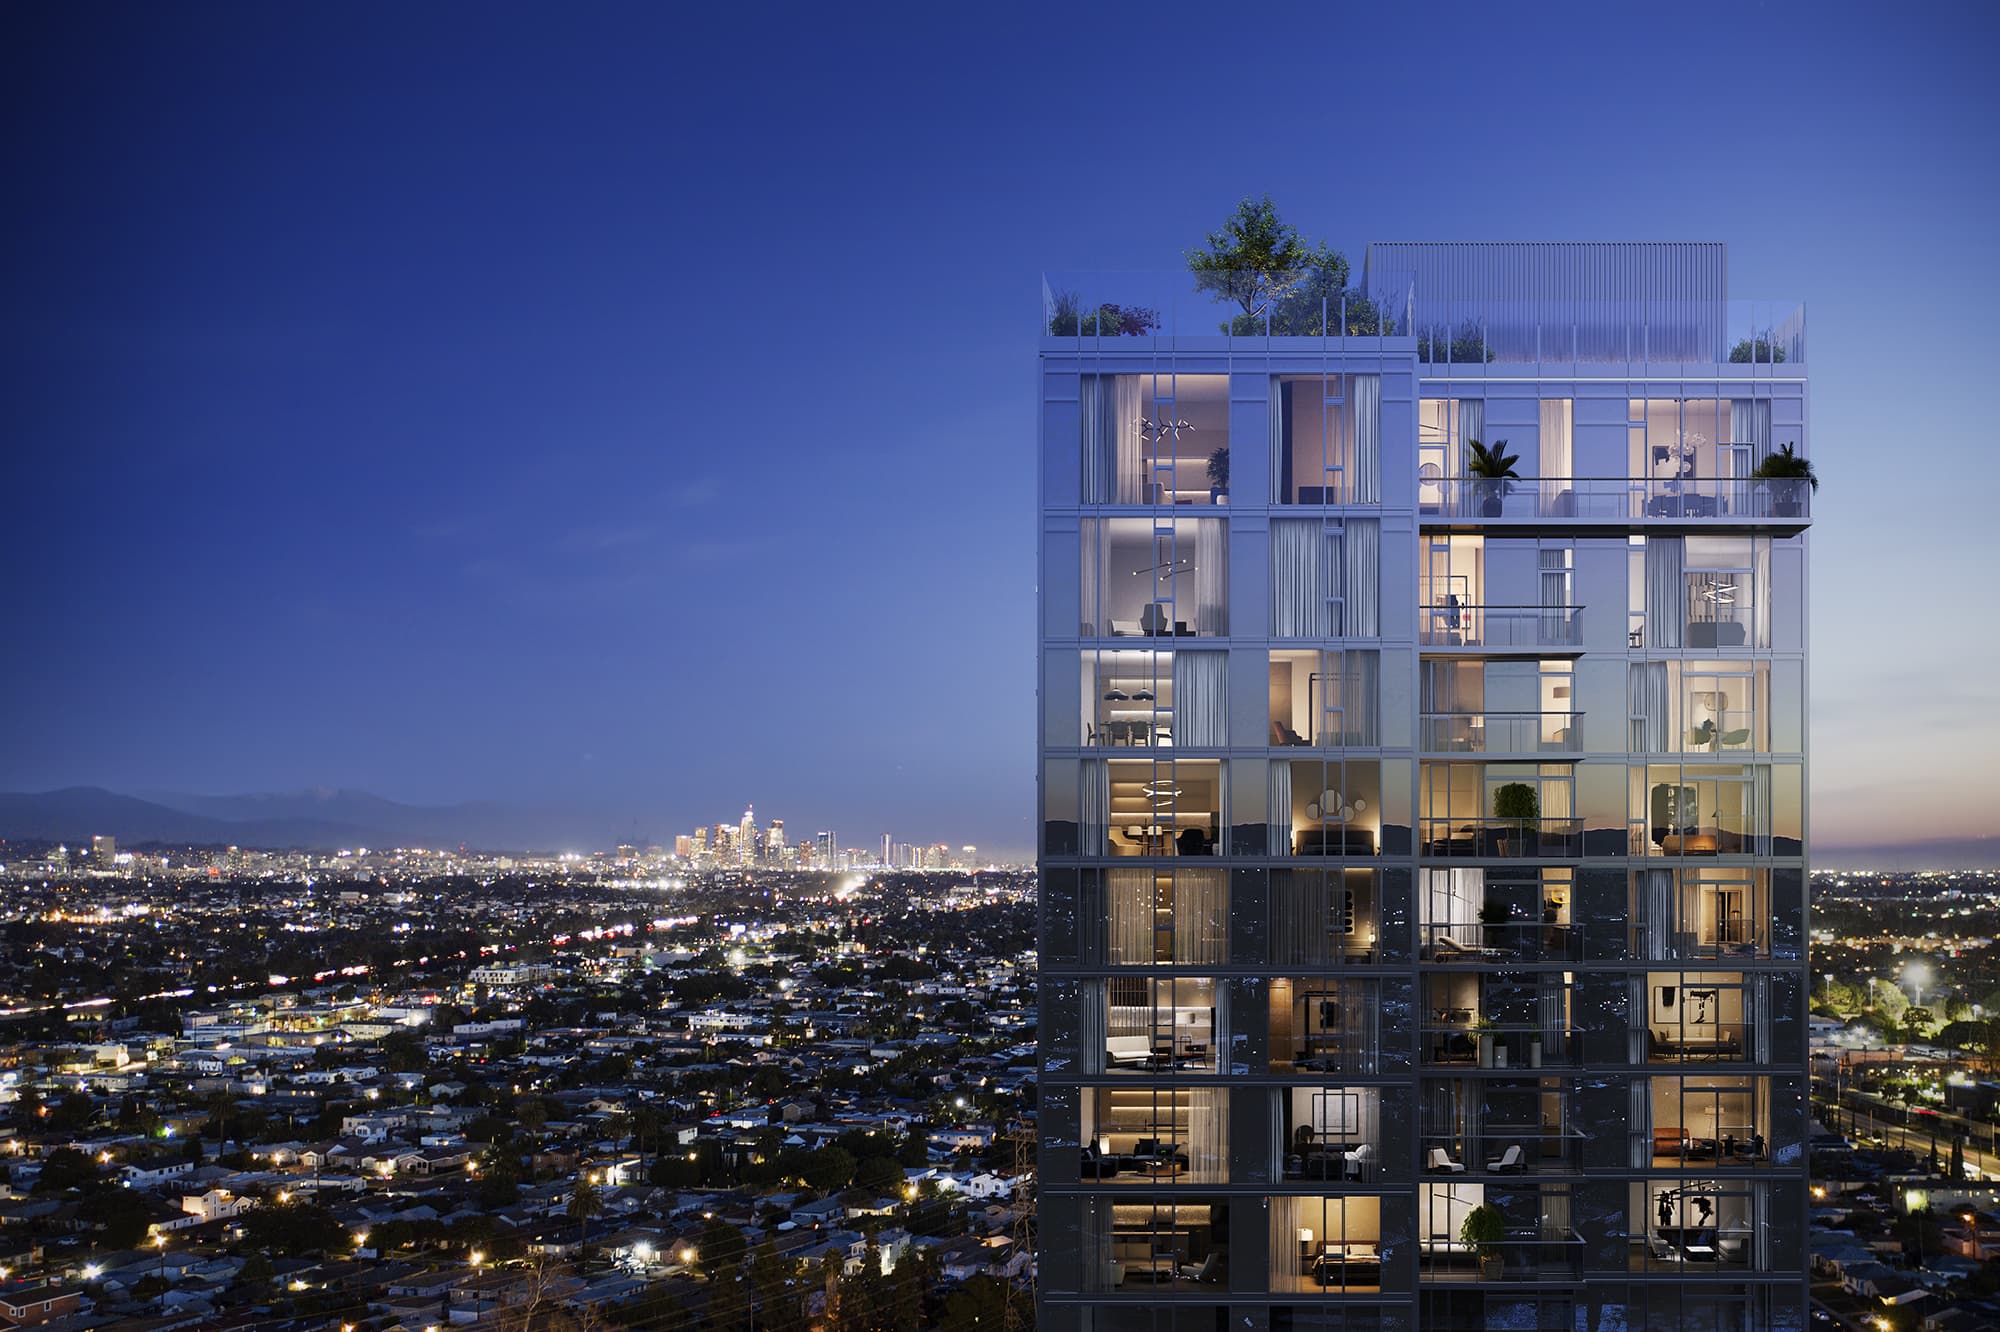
x,y
1132,901
1361,578
1201,699
1639,1116
1278,792
1760,809
1281,461
1201,917
1666,591
1750,423
1649,705
1760,591
1094,799
1093,918
1091,535
1211,577
1659,901
1298,594
1304,906
1471,426
1208,1134
1554,565
1364,395
1100,439
1093,1025
1131,447
1360,695
1555,441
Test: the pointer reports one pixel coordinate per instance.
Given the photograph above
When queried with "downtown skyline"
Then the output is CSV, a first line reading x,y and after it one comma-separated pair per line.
x,y
460,370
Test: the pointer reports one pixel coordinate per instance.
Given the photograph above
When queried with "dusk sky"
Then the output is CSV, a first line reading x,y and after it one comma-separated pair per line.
x,y
631,408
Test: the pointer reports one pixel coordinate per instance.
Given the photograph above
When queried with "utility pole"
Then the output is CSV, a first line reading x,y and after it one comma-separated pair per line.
x,y
1021,1132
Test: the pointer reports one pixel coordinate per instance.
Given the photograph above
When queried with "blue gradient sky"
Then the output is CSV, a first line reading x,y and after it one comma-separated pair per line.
x,y
611,407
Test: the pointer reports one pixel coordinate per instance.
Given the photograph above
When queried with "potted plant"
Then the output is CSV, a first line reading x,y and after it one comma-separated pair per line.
x,y
1787,466
1218,475
1517,803
1486,1034
1483,1229
1494,470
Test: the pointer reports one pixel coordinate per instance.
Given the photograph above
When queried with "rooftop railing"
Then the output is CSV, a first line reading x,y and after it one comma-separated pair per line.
x,y
1115,308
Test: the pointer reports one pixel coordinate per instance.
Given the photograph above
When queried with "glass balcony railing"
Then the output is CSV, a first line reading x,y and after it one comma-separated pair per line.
x,y
1498,1148
1501,732
1513,941
1121,308
1501,839
1527,1254
1617,499
1516,1045
1458,625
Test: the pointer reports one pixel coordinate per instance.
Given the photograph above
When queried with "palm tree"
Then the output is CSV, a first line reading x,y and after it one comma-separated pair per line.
x,y
584,1202
1494,467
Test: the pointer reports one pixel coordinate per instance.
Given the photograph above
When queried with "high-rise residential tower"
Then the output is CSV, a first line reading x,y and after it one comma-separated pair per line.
x,y
1423,836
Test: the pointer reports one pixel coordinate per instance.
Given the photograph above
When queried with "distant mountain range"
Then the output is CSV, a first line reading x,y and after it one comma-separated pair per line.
x,y
316,820
1935,853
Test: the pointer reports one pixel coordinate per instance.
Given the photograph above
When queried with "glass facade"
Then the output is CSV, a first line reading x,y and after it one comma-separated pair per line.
x,y
1422,921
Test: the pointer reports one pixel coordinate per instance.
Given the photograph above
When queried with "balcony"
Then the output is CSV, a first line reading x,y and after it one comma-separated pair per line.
x,y
1501,839
1528,1253
1515,941
1778,506
1444,733
1456,625
1455,1037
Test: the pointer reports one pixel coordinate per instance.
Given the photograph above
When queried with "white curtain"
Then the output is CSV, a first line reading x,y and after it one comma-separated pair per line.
x,y
1100,440
1092,1025
1281,491
1750,423
1649,704
1094,795
1555,595
1211,577
1556,465
1364,396
1361,578
1132,487
1758,996
1657,900
1201,699
1208,1134
1471,426
1666,591
1278,792
1298,596
1131,898
1760,809
1092,594
1201,917
1360,688
1760,591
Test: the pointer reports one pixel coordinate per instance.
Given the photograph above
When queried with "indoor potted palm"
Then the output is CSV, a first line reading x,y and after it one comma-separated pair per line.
x,y
1484,1228
1493,468
1786,466
1218,475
